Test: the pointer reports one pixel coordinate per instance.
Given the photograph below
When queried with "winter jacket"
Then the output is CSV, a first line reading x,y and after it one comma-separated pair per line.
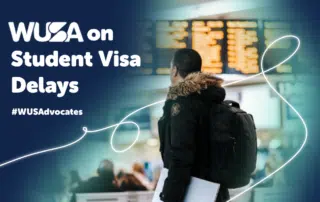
x,y
184,133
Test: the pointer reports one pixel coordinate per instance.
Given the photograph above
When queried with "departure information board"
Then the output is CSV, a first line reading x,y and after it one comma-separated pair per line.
x,y
242,47
146,41
170,36
207,39
272,31
226,46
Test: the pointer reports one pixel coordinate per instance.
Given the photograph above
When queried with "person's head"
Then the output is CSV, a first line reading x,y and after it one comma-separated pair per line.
x,y
184,62
138,167
106,168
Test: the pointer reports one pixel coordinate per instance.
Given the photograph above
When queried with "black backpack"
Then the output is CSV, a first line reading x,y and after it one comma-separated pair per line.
x,y
233,145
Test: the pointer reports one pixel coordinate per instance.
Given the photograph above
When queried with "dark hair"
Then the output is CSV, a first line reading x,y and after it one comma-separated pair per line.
x,y
105,168
138,167
187,61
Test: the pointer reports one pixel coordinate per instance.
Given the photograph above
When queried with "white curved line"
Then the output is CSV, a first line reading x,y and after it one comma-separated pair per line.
x,y
271,68
300,117
138,132
86,131
47,150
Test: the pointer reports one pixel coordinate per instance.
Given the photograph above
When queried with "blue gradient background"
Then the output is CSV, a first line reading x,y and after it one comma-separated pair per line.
x,y
101,89
303,172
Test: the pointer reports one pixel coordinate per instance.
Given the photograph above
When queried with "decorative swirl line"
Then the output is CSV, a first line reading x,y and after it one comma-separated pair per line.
x,y
284,100
123,121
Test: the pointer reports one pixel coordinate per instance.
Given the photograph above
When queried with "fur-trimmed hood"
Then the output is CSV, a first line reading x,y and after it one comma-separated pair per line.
x,y
202,83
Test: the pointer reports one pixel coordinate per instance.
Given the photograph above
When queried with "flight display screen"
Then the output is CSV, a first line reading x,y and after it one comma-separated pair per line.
x,y
207,39
242,47
278,52
145,39
226,46
170,36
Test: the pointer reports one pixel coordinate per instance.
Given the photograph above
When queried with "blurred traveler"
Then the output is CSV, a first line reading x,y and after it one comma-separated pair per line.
x,y
139,173
120,174
128,182
273,162
104,182
75,180
148,171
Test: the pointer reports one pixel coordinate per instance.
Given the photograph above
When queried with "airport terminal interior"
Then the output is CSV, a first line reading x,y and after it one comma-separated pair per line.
x,y
231,44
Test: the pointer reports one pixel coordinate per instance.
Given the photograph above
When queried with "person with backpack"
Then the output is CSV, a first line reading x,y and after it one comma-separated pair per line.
x,y
201,135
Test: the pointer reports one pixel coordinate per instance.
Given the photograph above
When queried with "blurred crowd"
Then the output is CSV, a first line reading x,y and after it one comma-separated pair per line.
x,y
108,181
269,160
141,177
